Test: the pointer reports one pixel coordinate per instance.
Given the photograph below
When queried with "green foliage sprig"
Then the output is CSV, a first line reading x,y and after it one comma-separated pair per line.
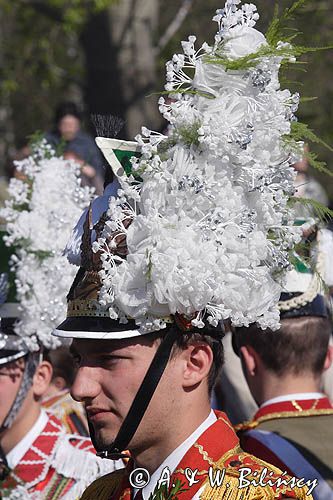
x,y
162,492
302,261
300,132
319,210
287,53
277,28
277,32
189,134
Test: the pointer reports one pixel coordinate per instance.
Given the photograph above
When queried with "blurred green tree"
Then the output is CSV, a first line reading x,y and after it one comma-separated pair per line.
x,y
109,55
40,62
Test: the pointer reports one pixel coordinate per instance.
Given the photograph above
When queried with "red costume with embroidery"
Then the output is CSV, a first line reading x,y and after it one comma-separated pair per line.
x,y
217,448
57,465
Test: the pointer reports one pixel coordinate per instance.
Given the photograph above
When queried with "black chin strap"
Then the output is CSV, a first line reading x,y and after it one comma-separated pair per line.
x,y
142,398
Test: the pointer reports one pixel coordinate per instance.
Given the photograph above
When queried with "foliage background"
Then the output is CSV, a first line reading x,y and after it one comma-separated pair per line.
x,y
107,56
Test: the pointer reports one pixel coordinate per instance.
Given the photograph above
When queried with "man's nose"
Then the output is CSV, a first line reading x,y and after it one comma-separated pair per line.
x,y
85,385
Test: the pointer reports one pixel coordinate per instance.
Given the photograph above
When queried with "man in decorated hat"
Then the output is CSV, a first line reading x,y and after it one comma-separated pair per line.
x,y
38,458
199,232
293,426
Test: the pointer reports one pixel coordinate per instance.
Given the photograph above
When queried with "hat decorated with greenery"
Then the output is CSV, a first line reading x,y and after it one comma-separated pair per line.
x,y
203,227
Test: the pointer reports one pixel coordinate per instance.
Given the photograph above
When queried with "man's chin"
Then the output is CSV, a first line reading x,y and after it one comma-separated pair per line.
x,y
102,438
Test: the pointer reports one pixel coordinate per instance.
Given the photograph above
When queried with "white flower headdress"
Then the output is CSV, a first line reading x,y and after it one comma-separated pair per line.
x,y
212,230
43,205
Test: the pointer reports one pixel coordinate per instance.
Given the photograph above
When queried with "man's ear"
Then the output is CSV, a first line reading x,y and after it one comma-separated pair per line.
x,y
329,358
198,361
42,378
250,360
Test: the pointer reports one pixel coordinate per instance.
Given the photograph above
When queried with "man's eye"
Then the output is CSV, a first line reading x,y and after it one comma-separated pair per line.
x,y
110,359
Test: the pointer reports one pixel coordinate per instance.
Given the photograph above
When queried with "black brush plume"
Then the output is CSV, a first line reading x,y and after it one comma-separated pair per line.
x,y
107,125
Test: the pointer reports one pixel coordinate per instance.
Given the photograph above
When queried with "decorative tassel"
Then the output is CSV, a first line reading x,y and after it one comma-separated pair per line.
x,y
104,487
78,464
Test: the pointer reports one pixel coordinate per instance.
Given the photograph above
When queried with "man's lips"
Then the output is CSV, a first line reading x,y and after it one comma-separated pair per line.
x,y
95,414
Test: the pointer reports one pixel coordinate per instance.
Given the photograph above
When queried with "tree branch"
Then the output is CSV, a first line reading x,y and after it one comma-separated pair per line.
x,y
43,8
174,26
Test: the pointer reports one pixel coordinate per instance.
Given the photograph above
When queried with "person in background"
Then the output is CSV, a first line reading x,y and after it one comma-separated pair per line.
x,y
38,458
293,428
57,399
231,390
68,135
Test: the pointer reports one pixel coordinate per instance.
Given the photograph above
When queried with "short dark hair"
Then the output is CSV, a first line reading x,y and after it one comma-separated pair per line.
x,y
206,336
66,108
300,345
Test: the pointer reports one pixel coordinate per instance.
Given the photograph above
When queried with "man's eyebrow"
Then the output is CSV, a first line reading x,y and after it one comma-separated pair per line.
x,y
94,350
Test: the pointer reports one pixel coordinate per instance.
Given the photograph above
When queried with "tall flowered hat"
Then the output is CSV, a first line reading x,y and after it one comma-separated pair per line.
x,y
44,202
207,230
201,229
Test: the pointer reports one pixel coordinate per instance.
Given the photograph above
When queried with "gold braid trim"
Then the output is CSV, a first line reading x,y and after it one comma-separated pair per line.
x,y
204,454
104,487
299,408
283,414
226,423
314,288
229,489
86,308
237,450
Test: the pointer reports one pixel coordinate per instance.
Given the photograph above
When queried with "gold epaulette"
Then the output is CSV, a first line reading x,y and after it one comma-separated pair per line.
x,y
230,488
245,426
104,487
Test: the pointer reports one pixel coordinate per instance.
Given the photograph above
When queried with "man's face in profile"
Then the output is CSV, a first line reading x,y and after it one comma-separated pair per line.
x,y
109,375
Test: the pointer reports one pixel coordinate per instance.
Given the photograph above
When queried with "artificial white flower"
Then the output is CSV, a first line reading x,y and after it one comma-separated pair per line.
x,y
242,40
212,231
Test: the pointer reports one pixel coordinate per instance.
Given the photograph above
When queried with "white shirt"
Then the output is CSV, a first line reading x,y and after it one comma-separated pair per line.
x,y
175,457
289,397
18,452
